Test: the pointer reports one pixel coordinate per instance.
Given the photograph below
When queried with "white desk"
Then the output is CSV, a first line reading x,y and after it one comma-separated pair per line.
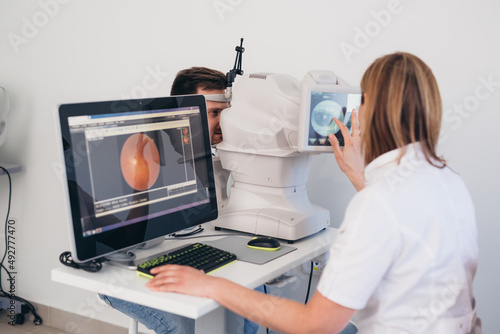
x,y
125,284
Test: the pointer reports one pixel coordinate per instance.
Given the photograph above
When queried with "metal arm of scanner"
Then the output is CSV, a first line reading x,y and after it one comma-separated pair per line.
x,y
230,77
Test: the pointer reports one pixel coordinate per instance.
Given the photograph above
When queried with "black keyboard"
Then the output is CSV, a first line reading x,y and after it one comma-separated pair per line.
x,y
198,255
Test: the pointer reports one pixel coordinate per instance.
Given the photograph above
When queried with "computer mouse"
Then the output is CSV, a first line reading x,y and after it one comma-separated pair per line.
x,y
264,243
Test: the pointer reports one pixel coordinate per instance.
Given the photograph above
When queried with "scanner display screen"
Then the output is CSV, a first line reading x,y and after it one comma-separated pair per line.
x,y
324,107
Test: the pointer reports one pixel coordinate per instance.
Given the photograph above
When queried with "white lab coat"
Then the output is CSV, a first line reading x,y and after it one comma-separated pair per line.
x,y
407,252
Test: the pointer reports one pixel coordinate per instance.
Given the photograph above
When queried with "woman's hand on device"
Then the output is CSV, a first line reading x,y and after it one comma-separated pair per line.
x,y
350,159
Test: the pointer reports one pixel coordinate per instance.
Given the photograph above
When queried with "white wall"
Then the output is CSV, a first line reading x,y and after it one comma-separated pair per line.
x,y
55,51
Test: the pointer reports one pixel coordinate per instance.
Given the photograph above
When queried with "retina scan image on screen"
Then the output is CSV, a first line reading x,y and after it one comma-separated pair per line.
x,y
320,105
126,170
324,107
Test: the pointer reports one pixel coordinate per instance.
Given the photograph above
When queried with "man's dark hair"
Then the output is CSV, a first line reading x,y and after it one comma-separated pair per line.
x,y
189,80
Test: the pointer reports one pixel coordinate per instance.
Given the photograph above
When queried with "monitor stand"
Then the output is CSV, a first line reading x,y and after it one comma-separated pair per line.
x,y
127,259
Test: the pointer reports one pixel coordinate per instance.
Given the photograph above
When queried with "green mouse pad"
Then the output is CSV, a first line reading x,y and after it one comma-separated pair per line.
x,y
238,246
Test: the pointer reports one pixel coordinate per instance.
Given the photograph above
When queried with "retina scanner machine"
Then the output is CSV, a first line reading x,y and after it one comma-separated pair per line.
x,y
275,126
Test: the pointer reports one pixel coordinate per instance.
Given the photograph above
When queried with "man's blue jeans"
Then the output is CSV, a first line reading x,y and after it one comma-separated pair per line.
x,y
159,321
164,322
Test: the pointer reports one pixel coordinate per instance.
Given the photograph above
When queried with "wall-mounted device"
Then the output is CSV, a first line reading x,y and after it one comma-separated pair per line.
x,y
4,111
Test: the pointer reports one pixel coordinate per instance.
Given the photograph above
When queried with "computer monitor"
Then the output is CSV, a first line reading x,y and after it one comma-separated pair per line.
x,y
136,170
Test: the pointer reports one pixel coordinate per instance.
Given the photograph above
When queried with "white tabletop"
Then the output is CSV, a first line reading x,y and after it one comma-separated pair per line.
x,y
126,284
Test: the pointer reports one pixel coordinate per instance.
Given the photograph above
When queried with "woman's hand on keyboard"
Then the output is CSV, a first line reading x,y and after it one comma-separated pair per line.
x,y
182,279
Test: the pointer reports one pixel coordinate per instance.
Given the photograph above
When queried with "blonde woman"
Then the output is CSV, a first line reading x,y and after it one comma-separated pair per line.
x,y
406,253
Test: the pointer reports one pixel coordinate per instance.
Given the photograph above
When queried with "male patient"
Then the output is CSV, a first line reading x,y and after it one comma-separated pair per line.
x,y
205,81
195,80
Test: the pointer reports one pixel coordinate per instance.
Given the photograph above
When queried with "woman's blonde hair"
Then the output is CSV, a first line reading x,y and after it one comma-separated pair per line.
x,y
404,107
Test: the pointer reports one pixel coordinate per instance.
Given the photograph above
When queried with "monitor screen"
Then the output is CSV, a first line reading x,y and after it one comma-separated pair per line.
x,y
324,107
136,170
319,106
